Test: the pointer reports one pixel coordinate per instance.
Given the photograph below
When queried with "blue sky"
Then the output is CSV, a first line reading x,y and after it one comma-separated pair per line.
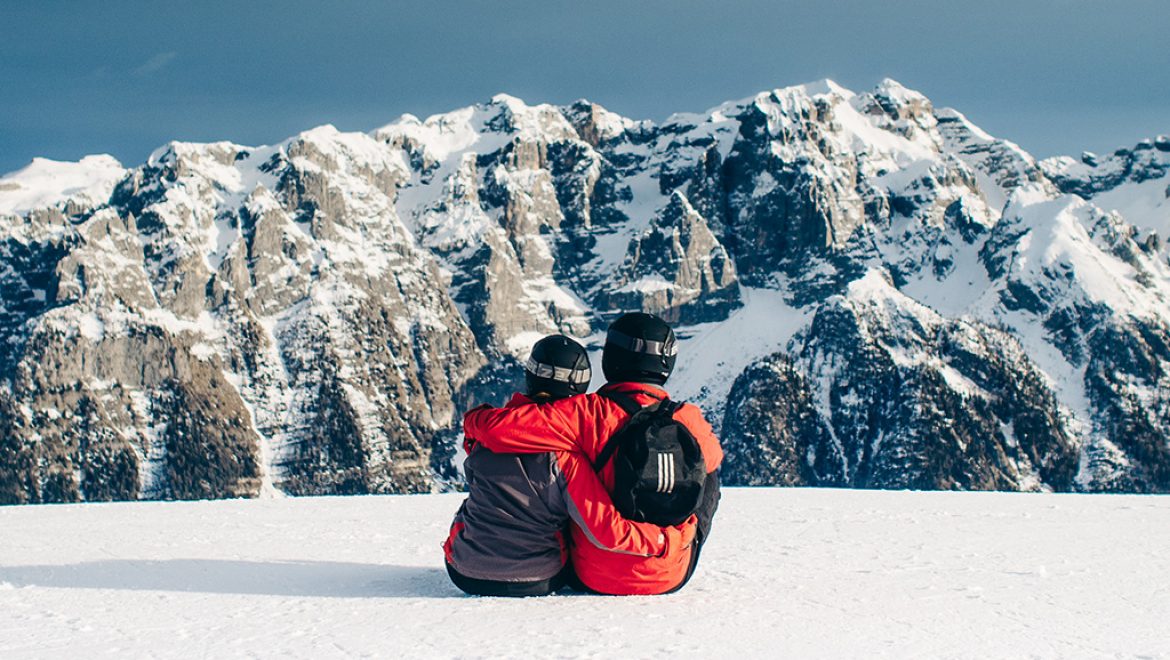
x,y
1056,76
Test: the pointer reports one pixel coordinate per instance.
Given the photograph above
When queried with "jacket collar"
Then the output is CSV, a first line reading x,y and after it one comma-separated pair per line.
x,y
632,388
518,399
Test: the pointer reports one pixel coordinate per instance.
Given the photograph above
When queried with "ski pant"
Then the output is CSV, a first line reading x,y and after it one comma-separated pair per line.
x,y
477,587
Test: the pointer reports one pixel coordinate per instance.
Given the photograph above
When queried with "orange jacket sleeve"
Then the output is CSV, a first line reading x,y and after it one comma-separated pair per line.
x,y
692,417
526,429
592,509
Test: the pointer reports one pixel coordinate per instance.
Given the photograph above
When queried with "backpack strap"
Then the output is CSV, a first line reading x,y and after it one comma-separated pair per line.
x,y
631,406
668,407
627,402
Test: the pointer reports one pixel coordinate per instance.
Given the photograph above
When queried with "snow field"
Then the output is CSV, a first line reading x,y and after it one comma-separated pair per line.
x,y
788,573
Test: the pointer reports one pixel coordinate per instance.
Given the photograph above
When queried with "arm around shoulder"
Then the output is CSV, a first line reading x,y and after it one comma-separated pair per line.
x,y
526,429
592,509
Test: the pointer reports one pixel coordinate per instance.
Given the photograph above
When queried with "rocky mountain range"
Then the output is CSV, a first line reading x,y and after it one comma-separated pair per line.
x,y
870,292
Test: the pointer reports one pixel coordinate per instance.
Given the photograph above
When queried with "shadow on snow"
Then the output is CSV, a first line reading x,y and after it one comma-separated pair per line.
x,y
225,576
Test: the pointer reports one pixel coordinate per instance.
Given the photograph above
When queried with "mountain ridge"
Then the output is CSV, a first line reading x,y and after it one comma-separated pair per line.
x,y
329,304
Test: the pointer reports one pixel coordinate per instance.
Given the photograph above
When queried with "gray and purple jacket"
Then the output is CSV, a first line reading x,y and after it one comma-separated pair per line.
x,y
511,526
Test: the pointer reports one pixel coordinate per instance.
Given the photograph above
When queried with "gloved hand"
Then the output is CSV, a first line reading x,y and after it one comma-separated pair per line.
x,y
469,443
677,538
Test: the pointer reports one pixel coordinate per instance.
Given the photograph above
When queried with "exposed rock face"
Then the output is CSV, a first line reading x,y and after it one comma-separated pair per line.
x,y
897,397
1132,182
1128,385
1149,160
772,428
676,269
206,339
869,292
792,188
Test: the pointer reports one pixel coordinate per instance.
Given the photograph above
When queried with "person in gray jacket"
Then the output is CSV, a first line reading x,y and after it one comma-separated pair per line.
x,y
509,536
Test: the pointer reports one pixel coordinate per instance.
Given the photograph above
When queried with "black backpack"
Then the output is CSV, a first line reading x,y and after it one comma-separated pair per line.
x,y
658,470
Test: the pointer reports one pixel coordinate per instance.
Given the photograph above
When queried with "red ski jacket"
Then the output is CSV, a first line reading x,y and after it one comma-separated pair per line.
x,y
579,427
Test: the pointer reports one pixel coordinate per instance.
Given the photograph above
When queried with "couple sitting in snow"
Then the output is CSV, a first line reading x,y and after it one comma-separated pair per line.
x,y
611,492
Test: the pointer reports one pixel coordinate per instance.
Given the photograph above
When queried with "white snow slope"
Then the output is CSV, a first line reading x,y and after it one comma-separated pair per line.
x,y
787,573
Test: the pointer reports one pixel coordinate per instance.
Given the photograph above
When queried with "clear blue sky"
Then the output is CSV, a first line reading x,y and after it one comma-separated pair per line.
x,y
1056,76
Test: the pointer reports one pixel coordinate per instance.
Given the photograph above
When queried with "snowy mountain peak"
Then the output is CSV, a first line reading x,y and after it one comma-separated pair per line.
x,y
175,151
824,87
510,102
594,123
1134,182
45,183
898,93
484,127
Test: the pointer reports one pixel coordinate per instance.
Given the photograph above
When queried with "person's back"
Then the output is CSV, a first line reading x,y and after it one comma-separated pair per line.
x,y
607,573
509,530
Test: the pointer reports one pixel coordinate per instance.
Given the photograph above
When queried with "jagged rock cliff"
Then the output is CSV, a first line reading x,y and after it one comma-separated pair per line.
x,y
870,292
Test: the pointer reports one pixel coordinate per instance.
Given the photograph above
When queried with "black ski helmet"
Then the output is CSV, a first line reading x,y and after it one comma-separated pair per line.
x,y
639,348
558,367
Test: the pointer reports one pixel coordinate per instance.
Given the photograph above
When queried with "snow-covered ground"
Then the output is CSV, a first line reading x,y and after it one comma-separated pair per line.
x,y
789,573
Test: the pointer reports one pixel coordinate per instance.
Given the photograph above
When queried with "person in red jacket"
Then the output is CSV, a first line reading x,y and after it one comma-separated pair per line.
x,y
639,355
507,537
